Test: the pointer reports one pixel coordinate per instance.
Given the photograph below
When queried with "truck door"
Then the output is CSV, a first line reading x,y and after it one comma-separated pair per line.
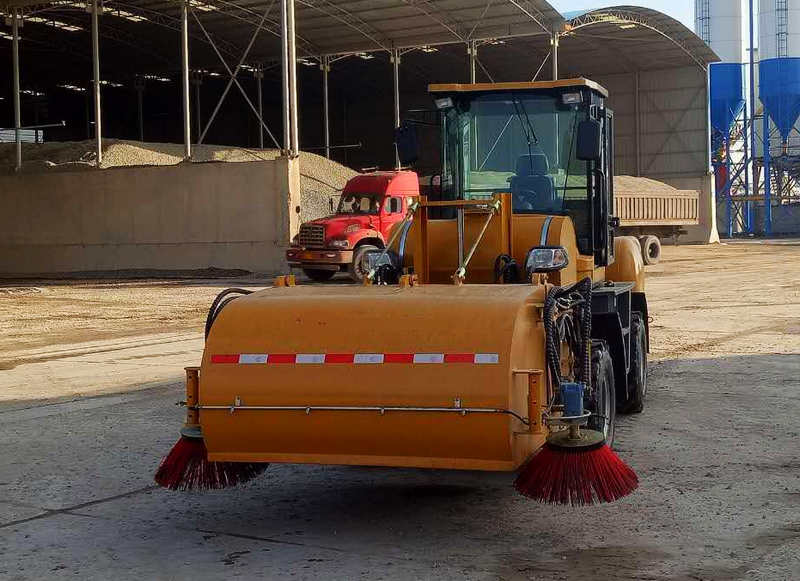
x,y
392,212
603,190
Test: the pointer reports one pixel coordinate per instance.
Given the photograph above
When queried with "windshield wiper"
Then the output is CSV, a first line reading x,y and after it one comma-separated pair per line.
x,y
527,127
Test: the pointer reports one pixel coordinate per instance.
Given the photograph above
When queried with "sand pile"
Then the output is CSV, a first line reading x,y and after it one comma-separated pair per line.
x,y
320,179
634,185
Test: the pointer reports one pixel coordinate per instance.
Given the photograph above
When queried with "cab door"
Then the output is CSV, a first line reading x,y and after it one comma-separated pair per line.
x,y
608,171
391,213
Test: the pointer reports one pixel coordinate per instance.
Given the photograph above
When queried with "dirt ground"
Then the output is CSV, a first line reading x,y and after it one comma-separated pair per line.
x,y
717,450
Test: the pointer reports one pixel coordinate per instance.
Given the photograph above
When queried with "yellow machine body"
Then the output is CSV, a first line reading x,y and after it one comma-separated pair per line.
x,y
446,370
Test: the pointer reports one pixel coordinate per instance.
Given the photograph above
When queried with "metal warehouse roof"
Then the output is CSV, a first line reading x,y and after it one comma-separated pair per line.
x,y
638,37
330,26
645,35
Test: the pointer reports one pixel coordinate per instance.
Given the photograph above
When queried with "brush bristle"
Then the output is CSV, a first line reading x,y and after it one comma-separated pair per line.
x,y
186,467
576,477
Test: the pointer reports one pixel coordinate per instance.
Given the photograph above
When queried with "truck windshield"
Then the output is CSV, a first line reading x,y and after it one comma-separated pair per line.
x,y
521,143
362,204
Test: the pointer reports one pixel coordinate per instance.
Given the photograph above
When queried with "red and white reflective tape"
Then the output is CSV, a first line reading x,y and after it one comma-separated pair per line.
x,y
355,358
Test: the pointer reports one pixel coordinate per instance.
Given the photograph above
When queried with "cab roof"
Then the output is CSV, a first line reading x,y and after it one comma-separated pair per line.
x,y
384,182
529,86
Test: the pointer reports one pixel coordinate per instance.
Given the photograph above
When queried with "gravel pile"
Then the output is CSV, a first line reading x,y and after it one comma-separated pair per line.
x,y
320,179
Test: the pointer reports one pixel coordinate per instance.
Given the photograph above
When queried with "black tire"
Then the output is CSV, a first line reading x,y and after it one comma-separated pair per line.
x,y
651,249
600,399
637,375
318,275
357,270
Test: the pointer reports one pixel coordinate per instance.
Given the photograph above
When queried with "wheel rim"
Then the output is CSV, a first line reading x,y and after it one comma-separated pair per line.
x,y
604,407
642,368
361,272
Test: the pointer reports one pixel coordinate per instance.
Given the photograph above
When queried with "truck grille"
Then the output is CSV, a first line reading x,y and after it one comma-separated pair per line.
x,y
312,235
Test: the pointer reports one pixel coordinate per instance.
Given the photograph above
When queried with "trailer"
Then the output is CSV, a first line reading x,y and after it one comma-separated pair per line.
x,y
651,210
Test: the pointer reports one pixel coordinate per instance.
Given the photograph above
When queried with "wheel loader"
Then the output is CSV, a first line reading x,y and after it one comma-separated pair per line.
x,y
489,301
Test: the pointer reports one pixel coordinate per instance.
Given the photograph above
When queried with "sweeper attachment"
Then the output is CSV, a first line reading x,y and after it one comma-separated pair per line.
x,y
500,328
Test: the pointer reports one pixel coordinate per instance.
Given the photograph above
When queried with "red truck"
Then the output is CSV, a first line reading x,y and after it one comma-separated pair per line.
x,y
369,206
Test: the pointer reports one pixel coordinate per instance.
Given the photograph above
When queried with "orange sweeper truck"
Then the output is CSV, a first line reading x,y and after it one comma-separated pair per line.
x,y
502,327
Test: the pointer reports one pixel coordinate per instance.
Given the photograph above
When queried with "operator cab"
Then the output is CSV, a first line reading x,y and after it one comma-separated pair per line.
x,y
547,143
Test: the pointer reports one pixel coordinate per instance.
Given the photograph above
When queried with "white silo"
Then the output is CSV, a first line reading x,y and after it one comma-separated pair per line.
x,y
779,28
721,24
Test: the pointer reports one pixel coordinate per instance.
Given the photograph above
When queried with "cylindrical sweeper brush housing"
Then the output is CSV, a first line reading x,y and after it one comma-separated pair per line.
x,y
427,376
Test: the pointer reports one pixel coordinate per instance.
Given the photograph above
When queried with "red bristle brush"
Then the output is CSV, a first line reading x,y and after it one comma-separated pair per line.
x,y
187,467
576,467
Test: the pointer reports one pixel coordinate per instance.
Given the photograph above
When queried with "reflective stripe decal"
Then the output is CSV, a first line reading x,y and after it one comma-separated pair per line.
x,y
459,358
429,358
356,358
398,358
339,357
280,358
252,358
368,358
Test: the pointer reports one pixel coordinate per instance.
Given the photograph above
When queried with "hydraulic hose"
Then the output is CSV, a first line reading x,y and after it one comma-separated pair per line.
x,y
506,269
562,307
220,302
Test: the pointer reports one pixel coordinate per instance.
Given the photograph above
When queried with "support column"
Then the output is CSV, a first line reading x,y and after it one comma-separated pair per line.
x,y
259,74
15,66
472,51
554,42
727,189
749,158
395,58
637,120
285,77
139,86
292,46
767,179
187,113
325,65
98,112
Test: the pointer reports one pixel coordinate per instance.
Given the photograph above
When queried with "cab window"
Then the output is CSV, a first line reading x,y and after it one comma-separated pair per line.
x,y
394,205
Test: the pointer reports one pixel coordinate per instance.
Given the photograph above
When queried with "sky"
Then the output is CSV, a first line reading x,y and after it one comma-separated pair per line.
x,y
682,10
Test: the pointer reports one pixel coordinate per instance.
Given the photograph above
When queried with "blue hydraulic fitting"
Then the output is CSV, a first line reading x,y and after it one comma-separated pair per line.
x,y
572,398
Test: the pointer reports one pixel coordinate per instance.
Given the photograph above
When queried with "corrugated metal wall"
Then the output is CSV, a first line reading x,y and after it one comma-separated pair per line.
x,y
673,123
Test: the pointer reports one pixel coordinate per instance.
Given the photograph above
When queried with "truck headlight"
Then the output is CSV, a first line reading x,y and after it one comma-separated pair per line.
x,y
339,243
546,259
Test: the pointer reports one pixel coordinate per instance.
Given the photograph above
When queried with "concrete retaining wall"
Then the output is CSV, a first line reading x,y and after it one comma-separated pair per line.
x,y
706,232
189,216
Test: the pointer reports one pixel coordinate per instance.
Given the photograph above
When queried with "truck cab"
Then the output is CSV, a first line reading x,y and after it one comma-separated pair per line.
x,y
369,206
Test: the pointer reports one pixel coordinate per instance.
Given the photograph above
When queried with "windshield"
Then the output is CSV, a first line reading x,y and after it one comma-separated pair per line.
x,y
519,143
362,204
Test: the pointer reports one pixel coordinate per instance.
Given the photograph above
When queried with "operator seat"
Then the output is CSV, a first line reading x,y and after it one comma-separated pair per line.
x,y
532,187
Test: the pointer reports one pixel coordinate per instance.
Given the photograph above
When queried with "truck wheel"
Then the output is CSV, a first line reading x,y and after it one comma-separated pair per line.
x,y
358,269
651,249
600,398
637,376
318,275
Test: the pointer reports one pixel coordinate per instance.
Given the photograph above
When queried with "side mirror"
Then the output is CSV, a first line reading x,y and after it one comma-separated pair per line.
x,y
405,140
590,140
330,204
